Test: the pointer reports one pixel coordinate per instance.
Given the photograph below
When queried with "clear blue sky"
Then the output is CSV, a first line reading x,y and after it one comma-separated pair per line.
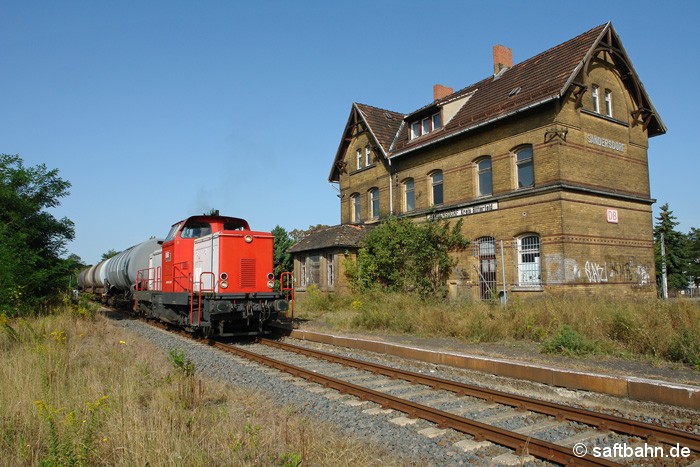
x,y
157,110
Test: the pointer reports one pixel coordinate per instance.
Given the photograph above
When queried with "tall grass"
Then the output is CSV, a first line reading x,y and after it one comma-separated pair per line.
x,y
78,391
631,326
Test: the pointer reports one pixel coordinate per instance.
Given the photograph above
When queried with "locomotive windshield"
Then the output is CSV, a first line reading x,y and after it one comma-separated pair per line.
x,y
173,232
234,225
196,229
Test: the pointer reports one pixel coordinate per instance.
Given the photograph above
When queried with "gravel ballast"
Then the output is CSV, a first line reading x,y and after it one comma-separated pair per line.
x,y
402,441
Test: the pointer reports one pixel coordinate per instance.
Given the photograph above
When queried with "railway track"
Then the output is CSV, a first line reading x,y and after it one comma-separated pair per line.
x,y
364,381
520,441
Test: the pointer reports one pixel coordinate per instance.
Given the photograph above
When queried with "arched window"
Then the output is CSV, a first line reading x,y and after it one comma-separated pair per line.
x,y
529,273
525,167
409,195
374,203
436,190
484,181
485,250
355,212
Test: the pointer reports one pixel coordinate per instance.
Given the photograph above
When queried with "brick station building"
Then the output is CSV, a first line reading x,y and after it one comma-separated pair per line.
x,y
545,161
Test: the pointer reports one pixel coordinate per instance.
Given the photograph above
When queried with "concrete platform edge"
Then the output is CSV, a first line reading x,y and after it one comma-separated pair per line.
x,y
641,389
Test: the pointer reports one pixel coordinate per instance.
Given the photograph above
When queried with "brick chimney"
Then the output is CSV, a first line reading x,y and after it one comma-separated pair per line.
x,y
502,59
440,91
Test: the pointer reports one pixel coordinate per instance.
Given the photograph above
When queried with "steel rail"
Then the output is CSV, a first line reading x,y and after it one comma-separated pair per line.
x,y
522,444
652,433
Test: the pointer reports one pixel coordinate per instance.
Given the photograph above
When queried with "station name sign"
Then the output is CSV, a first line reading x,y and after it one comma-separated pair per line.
x,y
463,211
605,143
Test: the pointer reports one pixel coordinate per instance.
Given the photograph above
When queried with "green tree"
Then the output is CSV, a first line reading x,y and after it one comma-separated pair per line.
x,y
693,241
31,239
404,256
282,260
298,234
108,254
676,246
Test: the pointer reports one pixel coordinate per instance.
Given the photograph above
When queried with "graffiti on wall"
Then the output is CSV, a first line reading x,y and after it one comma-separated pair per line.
x,y
596,273
562,270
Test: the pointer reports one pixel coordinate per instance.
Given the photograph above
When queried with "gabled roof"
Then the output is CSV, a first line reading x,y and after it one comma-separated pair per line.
x,y
382,124
543,78
339,236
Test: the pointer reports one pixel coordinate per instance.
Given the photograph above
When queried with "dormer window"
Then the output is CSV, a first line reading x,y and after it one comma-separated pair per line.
x,y
415,130
426,125
436,121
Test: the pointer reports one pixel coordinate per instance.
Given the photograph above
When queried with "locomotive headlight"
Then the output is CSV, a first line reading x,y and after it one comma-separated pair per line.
x,y
223,276
223,284
248,238
270,277
271,284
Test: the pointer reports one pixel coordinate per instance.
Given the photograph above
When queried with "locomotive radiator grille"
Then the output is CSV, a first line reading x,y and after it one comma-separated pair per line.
x,y
247,273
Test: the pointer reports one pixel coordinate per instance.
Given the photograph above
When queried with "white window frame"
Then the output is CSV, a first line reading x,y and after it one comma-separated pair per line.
x,y
529,265
373,197
355,208
522,164
595,96
425,125
434,184
436,121
368,155
409,186
483,171
608,103
359,159
415,130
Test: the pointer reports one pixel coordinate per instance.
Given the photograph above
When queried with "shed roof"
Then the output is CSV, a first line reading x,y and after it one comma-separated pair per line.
x,y
338,236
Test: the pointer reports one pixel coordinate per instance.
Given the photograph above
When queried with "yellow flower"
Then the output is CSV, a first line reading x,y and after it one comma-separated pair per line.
x,y
122,342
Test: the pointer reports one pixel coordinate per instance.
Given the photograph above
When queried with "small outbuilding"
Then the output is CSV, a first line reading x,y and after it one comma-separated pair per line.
x,y
319,257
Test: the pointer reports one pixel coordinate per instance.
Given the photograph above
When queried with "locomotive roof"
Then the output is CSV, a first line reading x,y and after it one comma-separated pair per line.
x,y
207,218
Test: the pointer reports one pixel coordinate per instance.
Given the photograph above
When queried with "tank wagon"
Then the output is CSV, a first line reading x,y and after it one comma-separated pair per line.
x,y
211,275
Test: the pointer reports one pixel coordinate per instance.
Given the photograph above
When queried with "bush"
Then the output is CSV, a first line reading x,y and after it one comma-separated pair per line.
x,y
569,342
403,256
685,348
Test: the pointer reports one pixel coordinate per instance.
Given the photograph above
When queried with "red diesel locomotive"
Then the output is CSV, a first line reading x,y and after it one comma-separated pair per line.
x,y
211,275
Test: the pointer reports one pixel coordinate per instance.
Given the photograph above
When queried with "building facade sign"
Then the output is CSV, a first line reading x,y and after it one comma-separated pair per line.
x,y
464,211
605,143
